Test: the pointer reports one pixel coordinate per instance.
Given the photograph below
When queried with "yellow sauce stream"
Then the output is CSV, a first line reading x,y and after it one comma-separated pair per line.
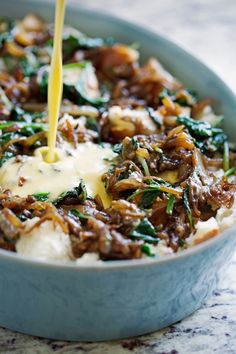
x,y
55,81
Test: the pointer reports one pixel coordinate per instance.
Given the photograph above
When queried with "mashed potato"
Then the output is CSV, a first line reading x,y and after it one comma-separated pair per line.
x,y
45,242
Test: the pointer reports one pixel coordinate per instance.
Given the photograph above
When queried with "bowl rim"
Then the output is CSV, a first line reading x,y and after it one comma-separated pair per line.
x,y
130,263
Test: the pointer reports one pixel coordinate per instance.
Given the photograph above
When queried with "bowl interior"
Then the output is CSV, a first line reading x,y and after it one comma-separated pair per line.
x,y
193,73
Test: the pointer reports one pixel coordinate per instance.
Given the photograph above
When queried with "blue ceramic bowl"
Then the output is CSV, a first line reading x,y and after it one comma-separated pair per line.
x,y
124,298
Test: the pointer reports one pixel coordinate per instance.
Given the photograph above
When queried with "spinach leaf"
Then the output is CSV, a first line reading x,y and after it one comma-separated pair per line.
x,y
79,193
35,127
81,88
207,138
6,137
17,114
144,231
76,87
72,43
24,130
196,128
148,198
216,143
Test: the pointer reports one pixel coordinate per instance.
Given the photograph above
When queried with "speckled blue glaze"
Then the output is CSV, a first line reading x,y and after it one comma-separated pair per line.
x,y
125,298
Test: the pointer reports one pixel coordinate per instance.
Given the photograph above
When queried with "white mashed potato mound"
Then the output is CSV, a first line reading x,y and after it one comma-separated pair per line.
x,y
204,231
45,242
88,258
226,217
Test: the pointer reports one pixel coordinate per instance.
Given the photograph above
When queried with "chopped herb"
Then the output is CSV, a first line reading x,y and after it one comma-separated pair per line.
x,y
117,148
41,197
78,214
22,217
187,206
226,156
10,63
79,193
216,143
217,122
147,250
230,172
5,102
6,137
43,82
155,118
140,191
170,204
5,37
29,64
134,142
153,185
144,231
187,99
135,45
17,114
6,25
144,165
182,243
92,124
166,93
157,149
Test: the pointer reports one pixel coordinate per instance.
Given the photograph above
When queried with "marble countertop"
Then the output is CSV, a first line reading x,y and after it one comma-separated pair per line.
x,y
206,28
212,329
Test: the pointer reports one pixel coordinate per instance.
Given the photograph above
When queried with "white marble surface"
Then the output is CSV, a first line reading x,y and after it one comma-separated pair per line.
x,y
207,28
